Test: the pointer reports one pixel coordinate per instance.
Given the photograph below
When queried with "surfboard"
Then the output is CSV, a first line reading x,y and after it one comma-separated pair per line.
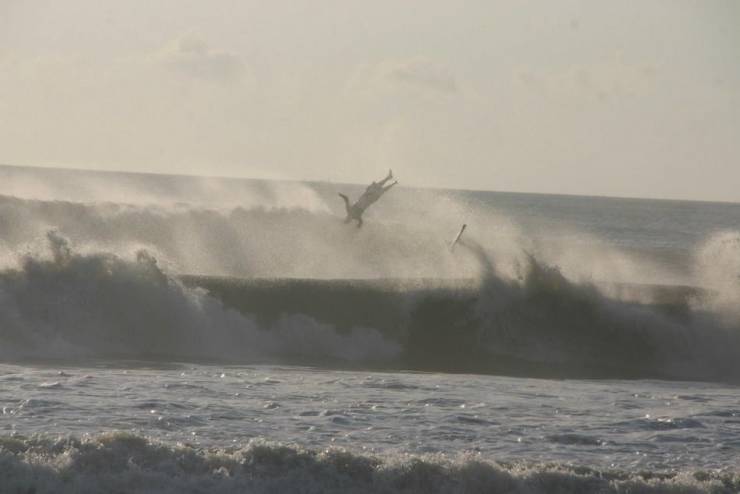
x,y
457,238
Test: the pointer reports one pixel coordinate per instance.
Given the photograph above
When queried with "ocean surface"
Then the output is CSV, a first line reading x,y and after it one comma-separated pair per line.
x,y
183,334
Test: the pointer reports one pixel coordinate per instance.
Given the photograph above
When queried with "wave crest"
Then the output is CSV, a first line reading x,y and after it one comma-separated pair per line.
x,y
64,304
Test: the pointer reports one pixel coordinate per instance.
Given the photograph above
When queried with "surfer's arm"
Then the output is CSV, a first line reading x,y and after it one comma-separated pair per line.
x,y
347,206
385,189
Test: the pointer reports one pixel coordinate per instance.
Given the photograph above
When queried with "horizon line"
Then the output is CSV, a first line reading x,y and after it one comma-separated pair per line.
x,y
313,181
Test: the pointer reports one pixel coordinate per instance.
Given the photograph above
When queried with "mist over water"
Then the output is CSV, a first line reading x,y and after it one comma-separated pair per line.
x,y
275,230
288,229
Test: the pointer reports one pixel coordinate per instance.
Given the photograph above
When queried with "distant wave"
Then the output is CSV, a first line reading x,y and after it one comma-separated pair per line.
x,y
121,462
69,305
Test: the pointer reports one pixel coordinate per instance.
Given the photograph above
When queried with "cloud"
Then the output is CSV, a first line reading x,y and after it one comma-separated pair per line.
x,y
191,55
421,73
425,79
603,81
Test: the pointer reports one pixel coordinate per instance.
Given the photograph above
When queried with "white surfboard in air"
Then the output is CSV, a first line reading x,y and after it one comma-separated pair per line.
x,y
457,238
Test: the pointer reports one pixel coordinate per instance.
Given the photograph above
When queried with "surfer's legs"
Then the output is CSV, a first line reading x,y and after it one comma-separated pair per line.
x,y
359,222
388,177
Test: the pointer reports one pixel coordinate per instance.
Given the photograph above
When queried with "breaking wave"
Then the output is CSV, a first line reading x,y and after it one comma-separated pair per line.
x,y
274,276
120,462
65,304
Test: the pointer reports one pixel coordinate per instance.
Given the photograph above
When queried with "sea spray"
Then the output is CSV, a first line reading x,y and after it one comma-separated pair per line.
x,y
717,266
235,241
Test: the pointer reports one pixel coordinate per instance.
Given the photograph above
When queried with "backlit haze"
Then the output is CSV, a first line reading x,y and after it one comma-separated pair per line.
x,y
637,99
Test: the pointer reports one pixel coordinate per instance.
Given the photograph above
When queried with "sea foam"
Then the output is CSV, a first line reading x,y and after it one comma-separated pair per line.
x,y
122,462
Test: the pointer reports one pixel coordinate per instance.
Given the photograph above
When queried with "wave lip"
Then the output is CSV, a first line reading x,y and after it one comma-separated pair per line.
x,y
122,462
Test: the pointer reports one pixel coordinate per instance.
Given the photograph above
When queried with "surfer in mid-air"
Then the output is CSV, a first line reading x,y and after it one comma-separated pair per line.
x,y
371,194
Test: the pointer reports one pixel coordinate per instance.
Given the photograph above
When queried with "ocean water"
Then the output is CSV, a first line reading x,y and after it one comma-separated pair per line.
x,y
180,334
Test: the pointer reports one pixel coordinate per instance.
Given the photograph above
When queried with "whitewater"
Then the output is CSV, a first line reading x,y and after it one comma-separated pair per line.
x,y
185,334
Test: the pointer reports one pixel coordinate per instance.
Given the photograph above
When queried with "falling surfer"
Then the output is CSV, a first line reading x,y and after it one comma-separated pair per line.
x,y
372,193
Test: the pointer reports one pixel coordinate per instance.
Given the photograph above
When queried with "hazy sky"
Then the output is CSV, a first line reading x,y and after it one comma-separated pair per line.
x,y
627,98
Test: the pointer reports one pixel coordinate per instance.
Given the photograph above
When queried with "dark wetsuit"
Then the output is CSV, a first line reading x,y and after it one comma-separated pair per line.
x,y
370,196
